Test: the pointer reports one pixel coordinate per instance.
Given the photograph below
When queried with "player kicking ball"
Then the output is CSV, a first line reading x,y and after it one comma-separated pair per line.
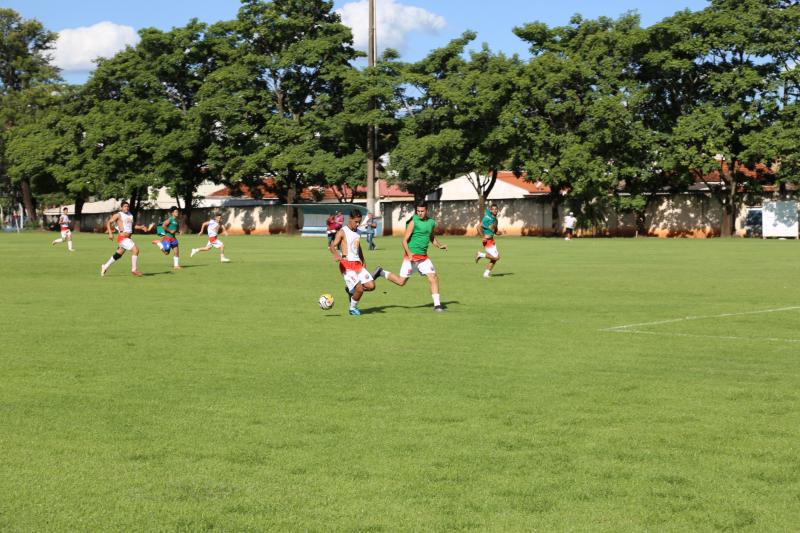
x,y
214,228
168,231
123,224
66,234
351,262
418,235
488,232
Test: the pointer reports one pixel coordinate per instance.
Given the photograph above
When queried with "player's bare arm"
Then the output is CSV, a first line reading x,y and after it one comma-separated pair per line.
x,y
437,244
111,220
202,228
334,247
407,237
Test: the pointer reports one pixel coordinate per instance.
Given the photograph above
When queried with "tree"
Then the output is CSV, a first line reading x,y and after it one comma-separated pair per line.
x,y
275,101
577,112
25,47
430,146
713,74
148,112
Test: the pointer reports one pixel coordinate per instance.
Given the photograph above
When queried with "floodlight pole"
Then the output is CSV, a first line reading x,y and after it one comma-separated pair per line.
x,y
371,130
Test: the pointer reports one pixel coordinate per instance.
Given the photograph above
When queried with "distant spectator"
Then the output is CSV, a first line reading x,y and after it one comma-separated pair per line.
x,y
339,220
330,225
368,227
569,225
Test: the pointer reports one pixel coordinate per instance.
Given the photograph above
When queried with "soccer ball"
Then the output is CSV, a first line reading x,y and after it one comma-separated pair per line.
x,y
326,301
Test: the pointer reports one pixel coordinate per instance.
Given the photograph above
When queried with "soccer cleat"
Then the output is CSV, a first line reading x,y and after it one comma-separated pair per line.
x,y
477,256
378,273
194,251
103,271
53,243
438,308
136,273
177,267
355,311
224,260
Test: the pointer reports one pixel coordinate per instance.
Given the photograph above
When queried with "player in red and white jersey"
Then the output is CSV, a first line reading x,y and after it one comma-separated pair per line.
x,y
215,227
123,224
346,250
66,234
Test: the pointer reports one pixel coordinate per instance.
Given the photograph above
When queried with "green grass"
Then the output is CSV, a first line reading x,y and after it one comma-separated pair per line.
x,y
222,398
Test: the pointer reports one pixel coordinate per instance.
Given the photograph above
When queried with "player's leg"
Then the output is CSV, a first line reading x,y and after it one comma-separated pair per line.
x,y
493,256
406,269
135,260
222,257
176,256
69,242
105,266
433,278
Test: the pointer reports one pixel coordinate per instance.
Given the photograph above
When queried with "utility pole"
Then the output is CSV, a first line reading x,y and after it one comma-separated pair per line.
x,y
371,130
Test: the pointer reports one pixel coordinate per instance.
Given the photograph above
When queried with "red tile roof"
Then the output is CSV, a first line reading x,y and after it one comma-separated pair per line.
x,y
521,181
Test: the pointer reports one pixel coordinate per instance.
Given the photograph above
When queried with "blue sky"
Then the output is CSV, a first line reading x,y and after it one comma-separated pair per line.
x,y
413,26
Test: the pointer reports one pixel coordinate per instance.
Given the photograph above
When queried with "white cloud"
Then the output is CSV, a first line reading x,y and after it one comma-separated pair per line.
x,y
393,22
76,48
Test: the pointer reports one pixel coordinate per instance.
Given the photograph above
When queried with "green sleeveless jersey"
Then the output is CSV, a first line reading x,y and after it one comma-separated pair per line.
x,y
421,236
172,226
488,221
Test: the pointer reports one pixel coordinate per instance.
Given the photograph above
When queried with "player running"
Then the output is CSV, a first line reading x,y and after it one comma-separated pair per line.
x,y
419,234
215,226
168,231
488,232
351,264
123,224
66,234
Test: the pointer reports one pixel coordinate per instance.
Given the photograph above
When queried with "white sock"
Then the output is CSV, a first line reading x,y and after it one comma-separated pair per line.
x,y
58,241
353,303
69,245
176,261
436,300
386,274
481,255
109,262
487,273
134,261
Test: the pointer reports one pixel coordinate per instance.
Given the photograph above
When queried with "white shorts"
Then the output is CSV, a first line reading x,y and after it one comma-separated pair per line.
x,y
423,268
353,278
216,243
492,250
126,243
65,233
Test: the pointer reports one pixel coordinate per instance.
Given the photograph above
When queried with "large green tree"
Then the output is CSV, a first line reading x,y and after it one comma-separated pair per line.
x,y
276,104
712,75
25,55
578,114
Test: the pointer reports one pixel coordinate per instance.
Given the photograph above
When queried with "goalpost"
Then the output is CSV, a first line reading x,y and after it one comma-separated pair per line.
x,y
780,220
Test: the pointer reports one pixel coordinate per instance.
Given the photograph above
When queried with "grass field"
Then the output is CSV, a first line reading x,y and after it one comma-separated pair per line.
x,y
569,392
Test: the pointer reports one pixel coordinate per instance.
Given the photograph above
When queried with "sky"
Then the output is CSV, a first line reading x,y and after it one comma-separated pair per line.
x,y
92,28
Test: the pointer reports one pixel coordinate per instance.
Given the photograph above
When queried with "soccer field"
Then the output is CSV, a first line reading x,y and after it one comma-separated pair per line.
x,y
610,385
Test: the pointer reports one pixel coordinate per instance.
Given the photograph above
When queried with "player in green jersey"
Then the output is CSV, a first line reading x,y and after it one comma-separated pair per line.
x,y
419,234
168,231
488,233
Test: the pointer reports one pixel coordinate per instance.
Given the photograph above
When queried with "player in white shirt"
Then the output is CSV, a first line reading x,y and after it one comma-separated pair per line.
x,y
569,225
346,250
66,234
123,223
215,227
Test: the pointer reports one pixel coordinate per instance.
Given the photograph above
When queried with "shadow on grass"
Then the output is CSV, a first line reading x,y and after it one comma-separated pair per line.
x,y
171,271
503,274
383,308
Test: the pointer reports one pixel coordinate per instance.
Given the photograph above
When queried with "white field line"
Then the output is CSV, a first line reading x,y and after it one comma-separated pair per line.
x,y
630,328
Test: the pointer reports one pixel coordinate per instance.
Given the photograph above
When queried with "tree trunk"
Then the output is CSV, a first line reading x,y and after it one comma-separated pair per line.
x,y
27,199
186,222
291,212
76,222
729,211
